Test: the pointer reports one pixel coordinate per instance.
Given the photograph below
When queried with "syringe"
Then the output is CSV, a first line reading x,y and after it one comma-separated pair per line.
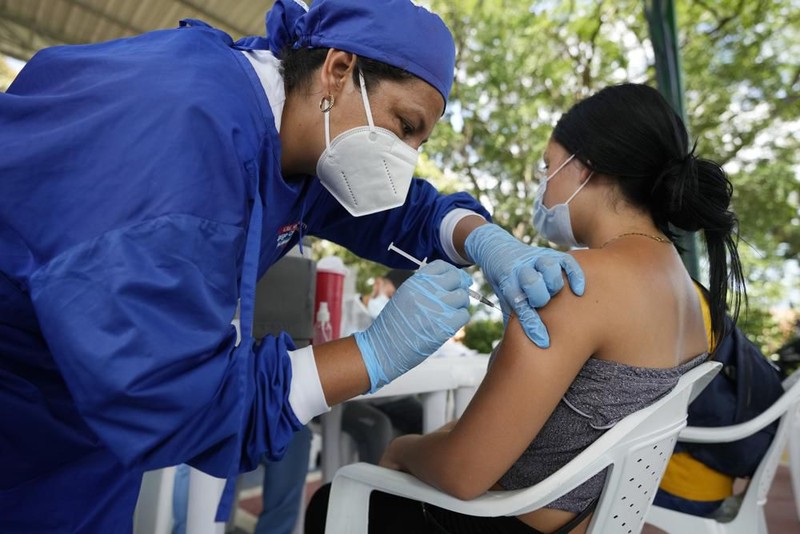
x,y
472,293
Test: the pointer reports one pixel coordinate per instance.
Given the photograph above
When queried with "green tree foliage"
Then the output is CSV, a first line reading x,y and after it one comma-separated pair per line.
x,y
521,64
482,335
742,81
518,69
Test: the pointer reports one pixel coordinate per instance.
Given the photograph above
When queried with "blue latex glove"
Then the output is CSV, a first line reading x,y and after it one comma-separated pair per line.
x,y
427,310
523,277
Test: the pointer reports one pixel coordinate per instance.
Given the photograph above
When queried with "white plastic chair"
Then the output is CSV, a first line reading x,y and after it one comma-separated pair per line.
x,y
750,518
794,461
793,447
636,448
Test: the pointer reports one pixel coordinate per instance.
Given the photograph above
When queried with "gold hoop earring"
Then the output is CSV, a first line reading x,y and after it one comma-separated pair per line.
x,y
326,103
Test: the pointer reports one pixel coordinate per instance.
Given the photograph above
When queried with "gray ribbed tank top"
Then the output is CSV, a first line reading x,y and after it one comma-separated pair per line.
x,y
603,393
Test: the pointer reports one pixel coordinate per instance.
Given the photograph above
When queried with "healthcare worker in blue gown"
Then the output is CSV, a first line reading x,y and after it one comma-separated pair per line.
x,y
146,183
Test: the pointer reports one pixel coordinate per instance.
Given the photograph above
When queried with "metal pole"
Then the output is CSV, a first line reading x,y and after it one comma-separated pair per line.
x,y
664,35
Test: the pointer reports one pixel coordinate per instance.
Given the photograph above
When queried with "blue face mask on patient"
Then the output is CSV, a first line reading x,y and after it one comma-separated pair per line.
x,y
554,223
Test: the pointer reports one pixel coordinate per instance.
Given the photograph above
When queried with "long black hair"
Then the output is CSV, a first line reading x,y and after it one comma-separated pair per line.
x,y
630,132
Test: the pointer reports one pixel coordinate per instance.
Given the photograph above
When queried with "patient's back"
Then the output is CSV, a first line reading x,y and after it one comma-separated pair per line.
x,y
652,314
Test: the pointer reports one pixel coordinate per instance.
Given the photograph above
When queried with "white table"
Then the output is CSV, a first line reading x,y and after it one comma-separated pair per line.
x,y
431,380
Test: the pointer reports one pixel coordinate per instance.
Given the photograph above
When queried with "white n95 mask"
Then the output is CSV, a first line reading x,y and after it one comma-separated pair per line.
x,y
376,304
554,223
367,169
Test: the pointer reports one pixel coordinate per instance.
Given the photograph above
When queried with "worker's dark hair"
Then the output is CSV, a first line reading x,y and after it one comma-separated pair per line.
x,y
299,64
631,133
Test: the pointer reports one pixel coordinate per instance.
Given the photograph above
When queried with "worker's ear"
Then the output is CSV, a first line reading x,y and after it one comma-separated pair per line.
x,y
336,71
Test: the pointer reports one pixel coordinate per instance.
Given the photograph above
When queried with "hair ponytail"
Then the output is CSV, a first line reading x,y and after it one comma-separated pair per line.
x,y
694,194
673,196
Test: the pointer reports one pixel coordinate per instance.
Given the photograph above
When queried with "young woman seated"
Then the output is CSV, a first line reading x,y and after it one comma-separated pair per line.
x,y
621,171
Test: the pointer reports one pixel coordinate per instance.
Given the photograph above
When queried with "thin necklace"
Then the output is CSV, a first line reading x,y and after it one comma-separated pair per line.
x,y
626,234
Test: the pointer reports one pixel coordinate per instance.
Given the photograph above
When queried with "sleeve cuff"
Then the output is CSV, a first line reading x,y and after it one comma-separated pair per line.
x,y
305,394
446,229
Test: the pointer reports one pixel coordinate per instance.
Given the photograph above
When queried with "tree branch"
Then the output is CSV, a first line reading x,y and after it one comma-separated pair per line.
x,y
587,66
723,21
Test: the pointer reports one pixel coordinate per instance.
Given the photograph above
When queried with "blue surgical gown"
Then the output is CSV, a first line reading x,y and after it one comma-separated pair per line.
x,y
127,175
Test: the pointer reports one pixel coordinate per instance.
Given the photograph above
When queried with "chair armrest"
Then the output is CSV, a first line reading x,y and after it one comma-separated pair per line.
x,y
791,380
725,434
491,503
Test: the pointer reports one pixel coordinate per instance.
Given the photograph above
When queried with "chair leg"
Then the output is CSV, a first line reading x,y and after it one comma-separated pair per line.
x,y
342,515
752,523
794,461
762,521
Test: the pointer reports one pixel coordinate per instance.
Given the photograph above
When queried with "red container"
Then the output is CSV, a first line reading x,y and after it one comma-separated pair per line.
x,y
330,288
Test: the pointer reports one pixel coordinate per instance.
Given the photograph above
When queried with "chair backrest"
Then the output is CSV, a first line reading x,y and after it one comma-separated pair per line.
x,y
789,406
638,461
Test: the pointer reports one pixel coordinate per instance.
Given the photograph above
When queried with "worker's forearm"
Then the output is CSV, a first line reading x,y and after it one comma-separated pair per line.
x,y
464,227
341,369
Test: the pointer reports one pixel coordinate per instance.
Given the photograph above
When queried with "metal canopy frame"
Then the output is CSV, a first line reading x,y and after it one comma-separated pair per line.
x,y
669,74
30,25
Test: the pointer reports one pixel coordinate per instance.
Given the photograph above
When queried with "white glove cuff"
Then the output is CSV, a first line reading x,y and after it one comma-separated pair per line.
x,y
305,394
446,230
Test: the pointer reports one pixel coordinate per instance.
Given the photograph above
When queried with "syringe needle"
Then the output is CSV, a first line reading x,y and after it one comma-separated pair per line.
x,y
472,293
483,300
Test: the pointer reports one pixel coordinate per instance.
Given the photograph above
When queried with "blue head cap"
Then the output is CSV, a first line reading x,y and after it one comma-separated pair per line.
x,y
395,32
